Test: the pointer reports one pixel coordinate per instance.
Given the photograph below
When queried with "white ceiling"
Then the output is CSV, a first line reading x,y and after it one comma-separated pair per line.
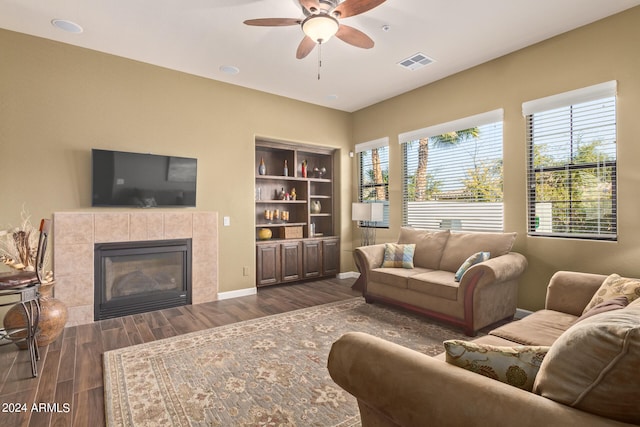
x,y
200,36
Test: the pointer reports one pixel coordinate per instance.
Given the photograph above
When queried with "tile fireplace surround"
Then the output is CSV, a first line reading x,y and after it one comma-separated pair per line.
x,y
75,233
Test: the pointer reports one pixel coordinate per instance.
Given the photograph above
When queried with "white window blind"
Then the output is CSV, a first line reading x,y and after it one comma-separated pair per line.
x,y
453,180
572,164
373,160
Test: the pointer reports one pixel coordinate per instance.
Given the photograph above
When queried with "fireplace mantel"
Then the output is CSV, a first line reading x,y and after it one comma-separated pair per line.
x,y
75,234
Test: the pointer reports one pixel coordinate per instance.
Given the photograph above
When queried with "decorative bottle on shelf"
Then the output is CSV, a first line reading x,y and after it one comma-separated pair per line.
x,y
262,169
304,169
316,207
286,169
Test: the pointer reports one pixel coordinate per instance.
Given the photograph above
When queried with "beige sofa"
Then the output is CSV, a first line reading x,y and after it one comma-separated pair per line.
x,y
485,294
595,359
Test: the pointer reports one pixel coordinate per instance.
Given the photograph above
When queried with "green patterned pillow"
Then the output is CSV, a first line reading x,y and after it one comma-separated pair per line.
x,y
612,287
398,256
516,366
473,259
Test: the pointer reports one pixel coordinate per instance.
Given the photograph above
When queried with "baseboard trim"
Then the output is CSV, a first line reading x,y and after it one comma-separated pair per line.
x,y
238,293
348,275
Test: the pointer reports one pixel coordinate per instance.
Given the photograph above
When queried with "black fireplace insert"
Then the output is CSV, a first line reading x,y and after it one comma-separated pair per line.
x,y
137,277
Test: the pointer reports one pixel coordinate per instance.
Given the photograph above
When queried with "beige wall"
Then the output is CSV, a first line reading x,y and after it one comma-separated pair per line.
x,y
58,101
605,50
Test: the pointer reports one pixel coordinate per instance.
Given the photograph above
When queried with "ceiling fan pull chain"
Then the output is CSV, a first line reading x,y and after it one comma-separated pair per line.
x,y
319,58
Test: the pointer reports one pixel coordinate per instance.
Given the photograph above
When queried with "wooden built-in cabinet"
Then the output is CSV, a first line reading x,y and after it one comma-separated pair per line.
x,y
302,244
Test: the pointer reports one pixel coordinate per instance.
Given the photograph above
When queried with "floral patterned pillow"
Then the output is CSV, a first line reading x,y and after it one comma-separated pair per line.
x,y
516,366
612,287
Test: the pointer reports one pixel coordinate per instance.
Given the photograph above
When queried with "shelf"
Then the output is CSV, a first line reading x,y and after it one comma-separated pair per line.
x,y
282,178
280,224
320,214
292,202
319,196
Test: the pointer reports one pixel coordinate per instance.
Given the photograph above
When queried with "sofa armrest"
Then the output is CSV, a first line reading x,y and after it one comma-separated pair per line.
x,y
368,257
571,291
406,388
500,269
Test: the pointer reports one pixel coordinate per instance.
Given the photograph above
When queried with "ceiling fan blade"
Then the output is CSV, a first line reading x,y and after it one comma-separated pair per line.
x,y
354,37
273,22
310,5
305,47
356,7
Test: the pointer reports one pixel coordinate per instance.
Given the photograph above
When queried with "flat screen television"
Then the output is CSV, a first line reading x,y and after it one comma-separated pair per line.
x,y
121,178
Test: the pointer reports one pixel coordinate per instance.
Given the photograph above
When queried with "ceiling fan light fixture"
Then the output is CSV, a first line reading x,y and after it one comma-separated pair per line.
x,y
320,28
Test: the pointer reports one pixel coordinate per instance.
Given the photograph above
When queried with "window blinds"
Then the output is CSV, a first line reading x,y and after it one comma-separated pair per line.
x,y
572,164
454,183
373,160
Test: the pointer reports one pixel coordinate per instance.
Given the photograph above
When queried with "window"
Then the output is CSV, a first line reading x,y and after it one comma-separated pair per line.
x,y
452,175
373,158
572,164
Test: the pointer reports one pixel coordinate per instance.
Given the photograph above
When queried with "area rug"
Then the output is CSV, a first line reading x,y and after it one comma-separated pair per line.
x,y
269,371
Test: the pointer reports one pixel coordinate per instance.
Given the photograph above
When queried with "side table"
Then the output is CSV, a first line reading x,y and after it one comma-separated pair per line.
x,y
28,297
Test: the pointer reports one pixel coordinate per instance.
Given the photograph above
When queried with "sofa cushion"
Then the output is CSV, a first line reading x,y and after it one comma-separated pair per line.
x,y
396,277
540,328
516,366
462,245
429,245
472,260
398,256
593,366
436,283
615,286
608,305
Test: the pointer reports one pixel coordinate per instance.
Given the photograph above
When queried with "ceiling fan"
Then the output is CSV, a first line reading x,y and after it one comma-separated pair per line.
x,y
321,22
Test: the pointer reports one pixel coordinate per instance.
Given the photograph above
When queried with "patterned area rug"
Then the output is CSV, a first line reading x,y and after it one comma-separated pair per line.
x,y
269,371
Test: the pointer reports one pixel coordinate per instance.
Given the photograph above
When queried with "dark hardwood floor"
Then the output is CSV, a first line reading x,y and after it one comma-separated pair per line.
x,y
69,388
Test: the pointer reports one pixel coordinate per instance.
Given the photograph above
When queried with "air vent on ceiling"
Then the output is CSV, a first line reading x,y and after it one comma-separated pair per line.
x,y
416,61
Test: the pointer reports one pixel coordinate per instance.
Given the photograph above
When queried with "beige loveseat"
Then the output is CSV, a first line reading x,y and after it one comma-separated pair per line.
x,y
589,376
486,293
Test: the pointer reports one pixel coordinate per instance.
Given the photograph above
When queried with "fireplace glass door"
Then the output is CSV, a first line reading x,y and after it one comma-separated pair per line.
x,y
136,277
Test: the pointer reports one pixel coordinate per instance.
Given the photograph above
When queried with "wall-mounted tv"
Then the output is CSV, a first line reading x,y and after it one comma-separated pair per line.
x,y
121,178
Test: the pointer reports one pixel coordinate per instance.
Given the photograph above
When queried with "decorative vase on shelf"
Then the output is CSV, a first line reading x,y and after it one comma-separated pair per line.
x,y
262,169
264,234
53,317
316,207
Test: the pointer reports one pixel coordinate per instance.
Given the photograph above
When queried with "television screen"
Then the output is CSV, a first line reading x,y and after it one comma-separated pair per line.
x,y
145,180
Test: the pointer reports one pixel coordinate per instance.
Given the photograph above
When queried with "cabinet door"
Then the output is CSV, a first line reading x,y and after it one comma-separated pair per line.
x,y
312,258
291,255
330,257
268,265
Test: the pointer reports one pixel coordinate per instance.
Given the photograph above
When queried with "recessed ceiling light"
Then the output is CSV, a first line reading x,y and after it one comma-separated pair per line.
x,y
332,97
66,25
229,69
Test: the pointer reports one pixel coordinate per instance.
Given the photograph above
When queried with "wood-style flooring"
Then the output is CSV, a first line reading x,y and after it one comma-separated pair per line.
x,y
69,388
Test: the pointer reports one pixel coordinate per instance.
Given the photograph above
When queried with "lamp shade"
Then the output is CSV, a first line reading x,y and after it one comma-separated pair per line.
x,y
367,211
320,28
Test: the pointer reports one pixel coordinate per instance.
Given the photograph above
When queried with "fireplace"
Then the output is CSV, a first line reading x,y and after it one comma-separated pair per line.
x,y
137,277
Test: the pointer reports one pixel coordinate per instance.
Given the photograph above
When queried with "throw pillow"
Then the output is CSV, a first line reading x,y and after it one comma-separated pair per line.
x,y
398,256
473,259
612,287
593,366
612,304
516,366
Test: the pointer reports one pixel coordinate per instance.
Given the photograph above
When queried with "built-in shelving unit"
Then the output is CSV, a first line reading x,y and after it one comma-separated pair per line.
x,y
298,210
